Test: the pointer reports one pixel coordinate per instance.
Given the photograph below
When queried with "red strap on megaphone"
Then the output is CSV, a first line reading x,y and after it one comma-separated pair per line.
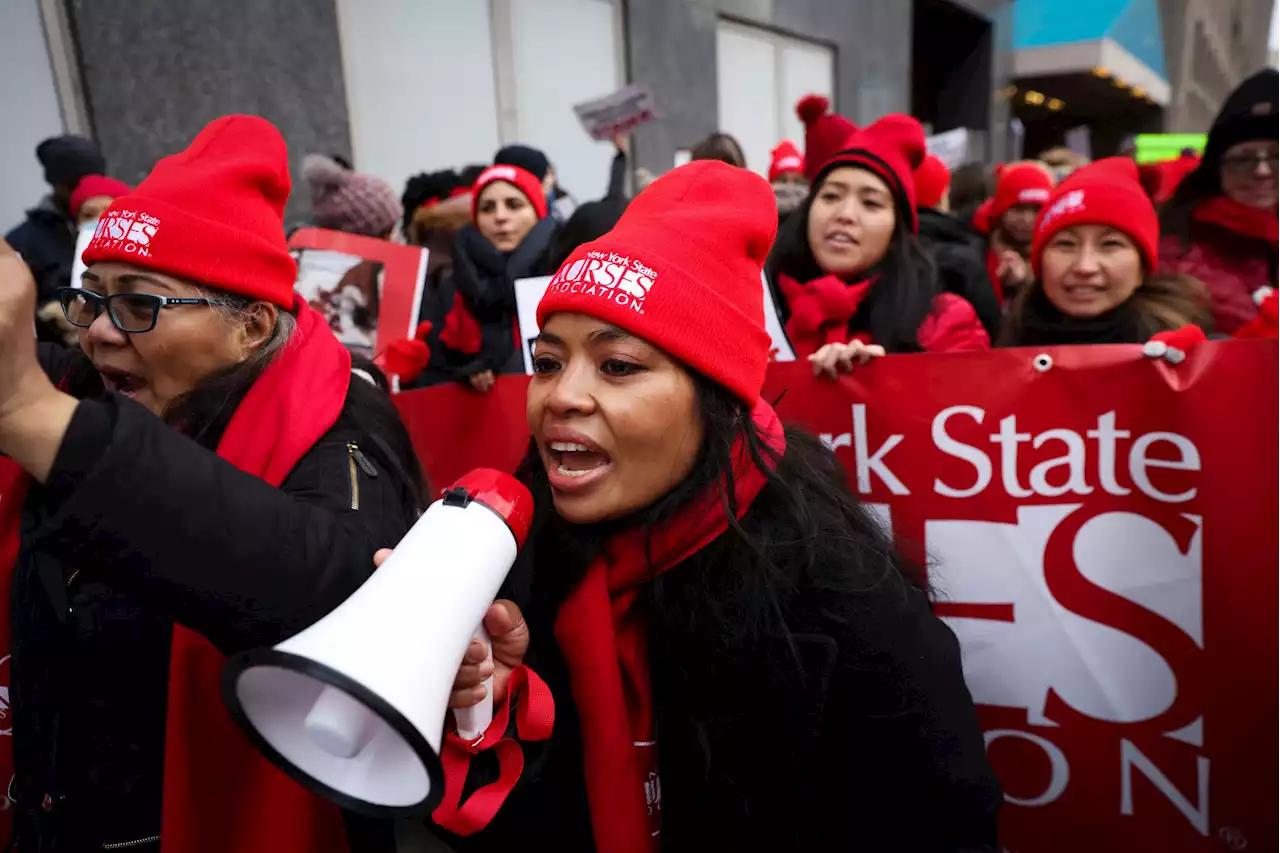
x,y
535,717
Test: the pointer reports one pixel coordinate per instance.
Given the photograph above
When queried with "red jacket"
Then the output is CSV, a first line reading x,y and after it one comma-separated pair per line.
x,y
953,327
1231,265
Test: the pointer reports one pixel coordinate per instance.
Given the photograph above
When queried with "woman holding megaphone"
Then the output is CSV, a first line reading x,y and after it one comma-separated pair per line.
x,y
203,475
738,657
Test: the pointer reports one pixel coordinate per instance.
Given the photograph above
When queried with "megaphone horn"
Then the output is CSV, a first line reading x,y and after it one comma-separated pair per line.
x,y
353,707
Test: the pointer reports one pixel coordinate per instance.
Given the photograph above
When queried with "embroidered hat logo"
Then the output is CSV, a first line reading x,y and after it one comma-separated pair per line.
x,y
607,275
127,230
1069,203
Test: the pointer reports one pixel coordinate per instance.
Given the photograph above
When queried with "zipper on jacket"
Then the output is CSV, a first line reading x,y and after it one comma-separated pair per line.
x,y
125,845
357,462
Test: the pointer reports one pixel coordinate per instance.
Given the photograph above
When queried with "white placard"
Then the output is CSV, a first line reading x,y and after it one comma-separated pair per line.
x,y
529,293
618,112
83,237
951,147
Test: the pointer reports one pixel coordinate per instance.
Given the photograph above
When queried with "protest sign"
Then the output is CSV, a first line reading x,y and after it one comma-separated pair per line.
x,y
1101,534
951,147
529,293
369,290
84,236
619,112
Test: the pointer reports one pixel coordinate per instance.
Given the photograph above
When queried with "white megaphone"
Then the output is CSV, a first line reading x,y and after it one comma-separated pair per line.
x,y
354,706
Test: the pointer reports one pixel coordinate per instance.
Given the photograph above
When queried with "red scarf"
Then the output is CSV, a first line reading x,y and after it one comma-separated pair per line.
x,y
220,793
1241,218
604,643
820,310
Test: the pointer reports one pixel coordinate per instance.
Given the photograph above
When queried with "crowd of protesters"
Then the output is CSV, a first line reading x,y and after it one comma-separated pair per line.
x,y
737,655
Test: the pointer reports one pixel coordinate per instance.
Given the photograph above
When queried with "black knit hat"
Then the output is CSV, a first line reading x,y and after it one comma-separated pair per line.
x,y
67,159
530,159
1250,112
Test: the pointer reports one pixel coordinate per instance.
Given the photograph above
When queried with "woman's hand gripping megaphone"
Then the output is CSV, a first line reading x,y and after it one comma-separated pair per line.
x,y
509,636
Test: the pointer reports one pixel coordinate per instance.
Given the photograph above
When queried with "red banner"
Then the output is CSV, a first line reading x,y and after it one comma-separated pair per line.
x,y
1102,535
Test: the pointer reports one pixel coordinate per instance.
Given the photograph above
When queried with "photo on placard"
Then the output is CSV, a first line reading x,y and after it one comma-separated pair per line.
x,y
370,291
346,290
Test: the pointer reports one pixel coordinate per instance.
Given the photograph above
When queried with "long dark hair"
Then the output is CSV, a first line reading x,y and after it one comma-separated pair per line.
x,y
204,413
805,528
1203,183
902,298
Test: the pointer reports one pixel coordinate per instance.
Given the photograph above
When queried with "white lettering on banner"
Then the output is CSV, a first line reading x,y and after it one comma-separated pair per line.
x,y
608,275
951,447
1081,661
128,230
1073,459
1139,463
865,464
1131,757
1059,768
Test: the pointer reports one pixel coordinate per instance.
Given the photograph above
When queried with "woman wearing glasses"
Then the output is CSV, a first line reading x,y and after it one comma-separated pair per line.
x,y
205,475
1221,225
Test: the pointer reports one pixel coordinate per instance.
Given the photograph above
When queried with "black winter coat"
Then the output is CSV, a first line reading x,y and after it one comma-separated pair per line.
x,y
960,254
139,528
47,243
865,738
486,278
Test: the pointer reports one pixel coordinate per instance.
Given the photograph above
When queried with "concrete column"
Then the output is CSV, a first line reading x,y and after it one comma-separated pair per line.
x,y
155,72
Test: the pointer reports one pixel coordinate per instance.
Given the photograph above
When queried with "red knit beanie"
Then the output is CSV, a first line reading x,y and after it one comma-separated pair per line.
x,y
982,218
785,159
932,179
1106,192
92,186
664,275
1020,183
825,133
893,148
521,179
213,214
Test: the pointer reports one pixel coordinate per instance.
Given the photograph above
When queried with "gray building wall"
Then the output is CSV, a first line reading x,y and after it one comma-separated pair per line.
x,y
1211,46
672,46
156,71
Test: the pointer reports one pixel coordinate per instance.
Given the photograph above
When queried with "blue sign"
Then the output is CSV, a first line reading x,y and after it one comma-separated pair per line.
x,y
1133,24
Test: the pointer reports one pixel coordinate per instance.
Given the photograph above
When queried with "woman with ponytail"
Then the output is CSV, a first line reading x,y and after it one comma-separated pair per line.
x,y
737,656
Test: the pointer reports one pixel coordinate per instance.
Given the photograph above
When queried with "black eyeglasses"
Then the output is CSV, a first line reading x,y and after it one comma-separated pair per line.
x,y
129,312
1246,164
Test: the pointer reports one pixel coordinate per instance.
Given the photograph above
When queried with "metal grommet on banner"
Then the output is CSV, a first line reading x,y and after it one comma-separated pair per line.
x,y
1043,362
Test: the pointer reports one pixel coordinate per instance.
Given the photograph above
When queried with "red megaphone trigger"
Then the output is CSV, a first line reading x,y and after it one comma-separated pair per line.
x,y
500,492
